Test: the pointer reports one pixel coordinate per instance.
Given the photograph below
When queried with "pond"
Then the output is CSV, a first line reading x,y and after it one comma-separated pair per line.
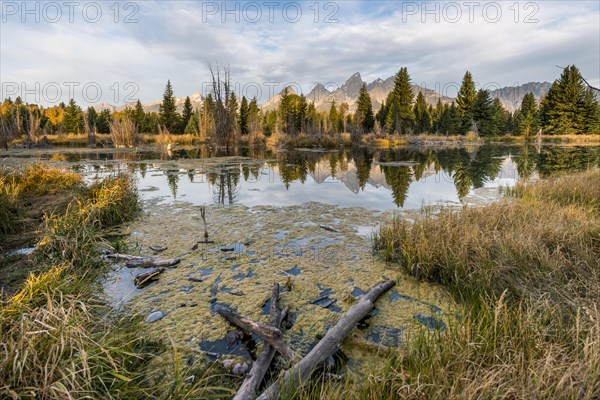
x,y
377,179
302,218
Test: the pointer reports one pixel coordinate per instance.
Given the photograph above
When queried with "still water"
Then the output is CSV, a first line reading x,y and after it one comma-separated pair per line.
x,y
377,179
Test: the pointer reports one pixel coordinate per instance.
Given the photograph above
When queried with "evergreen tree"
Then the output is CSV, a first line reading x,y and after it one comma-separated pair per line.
x,y
363,117
73,119
334,118
400,116
499,117
465,101
233,112
482,113
591,113
253,116
244,116
527,121
102,122
91,116
563,108
139,116
168,110
188,110
193,124
422,114
455,120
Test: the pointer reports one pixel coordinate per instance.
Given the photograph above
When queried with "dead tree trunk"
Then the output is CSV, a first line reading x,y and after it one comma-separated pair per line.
x,y
302,370
144,262
248,389
271,335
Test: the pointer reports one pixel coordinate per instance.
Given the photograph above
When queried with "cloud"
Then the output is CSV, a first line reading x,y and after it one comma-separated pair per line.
x,y
178,40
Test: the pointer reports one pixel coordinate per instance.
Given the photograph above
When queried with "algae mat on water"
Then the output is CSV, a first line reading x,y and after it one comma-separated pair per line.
x,y
320,251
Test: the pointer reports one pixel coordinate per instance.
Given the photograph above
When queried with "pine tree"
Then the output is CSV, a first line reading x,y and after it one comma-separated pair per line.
x,y
244,116
465,101
233,112
139,116
562,108
253,116
455,120
188,110
499,117
103,121
363,117
422,114
334,118
73,119
91,116
591,113
527,121
400,116
168,110
192,127
482,113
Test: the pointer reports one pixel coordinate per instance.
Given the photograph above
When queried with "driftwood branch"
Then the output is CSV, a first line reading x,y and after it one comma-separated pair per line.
x,y
270,334
302,370
145,278
144,262
248,389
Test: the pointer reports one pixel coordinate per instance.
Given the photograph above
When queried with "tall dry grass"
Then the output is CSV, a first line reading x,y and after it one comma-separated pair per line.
x,y
527,273
124,132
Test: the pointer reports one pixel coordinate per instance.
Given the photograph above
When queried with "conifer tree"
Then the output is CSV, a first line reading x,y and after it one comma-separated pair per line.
x,y
527,120
334,118
563,109
73,119
422,115
188,110
244,116
168,110
400,116
139,116
482,113
465,102
499,117
363,117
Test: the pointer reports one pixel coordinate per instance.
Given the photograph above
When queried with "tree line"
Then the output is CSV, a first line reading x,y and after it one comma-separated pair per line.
x,y
570,107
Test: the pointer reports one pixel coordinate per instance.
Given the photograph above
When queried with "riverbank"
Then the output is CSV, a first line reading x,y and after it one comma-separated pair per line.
x,y
325,141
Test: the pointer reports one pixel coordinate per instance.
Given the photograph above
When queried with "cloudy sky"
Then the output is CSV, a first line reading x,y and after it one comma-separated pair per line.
x,y
102,52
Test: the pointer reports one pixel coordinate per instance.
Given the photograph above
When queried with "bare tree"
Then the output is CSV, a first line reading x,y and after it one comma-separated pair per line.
x,y
224,111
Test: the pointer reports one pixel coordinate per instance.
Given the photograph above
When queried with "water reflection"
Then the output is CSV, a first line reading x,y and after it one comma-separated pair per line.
x,y
362,176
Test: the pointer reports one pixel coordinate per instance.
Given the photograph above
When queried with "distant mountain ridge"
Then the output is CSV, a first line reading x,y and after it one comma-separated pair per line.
x,y
510,96
349,91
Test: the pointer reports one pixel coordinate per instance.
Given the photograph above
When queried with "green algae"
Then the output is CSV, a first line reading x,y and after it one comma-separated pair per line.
x,y
268,242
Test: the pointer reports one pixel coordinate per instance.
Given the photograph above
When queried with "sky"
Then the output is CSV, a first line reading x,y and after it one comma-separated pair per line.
x,y
116,52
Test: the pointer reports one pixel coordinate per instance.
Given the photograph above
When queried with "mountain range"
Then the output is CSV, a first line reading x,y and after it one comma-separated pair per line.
x,y
510,96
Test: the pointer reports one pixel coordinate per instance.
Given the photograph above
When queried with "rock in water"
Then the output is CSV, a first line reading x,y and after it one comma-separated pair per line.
x,y
157,249
155,316
240,369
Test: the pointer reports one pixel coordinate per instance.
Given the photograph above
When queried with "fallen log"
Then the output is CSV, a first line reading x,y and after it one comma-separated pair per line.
x,y
145,278
270,334
328,228
248,389
302,370
144,262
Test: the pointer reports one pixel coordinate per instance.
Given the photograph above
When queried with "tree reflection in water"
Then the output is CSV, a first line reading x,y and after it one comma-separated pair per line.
x,y
467,168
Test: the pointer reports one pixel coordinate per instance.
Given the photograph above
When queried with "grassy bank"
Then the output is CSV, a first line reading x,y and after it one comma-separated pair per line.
x,y
527,273
56,339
